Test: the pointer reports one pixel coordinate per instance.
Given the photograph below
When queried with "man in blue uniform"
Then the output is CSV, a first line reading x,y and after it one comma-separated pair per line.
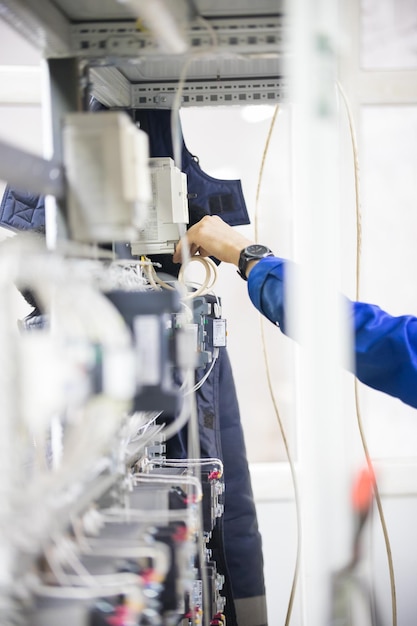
x,y
385,346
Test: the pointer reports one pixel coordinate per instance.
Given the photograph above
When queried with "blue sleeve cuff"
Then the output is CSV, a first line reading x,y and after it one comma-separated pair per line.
x,y
266,289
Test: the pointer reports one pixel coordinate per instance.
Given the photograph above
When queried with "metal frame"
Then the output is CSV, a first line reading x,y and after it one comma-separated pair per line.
x,y
232,59
196,93
249,35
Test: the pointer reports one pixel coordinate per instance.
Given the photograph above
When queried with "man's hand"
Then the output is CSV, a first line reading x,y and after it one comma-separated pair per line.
x,y
211,236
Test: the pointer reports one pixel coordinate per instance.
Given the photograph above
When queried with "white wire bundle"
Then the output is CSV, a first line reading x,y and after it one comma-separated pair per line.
x,y
126,274
78,312
205,287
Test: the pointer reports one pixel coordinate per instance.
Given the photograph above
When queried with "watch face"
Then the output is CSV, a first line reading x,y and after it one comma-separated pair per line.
x,y
257,250
251,253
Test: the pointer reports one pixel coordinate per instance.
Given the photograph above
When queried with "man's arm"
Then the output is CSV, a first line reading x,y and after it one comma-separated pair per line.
x,y
385,346
211,236
386,351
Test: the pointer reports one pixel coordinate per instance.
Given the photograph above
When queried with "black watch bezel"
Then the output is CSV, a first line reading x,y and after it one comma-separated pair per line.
x,y
253,252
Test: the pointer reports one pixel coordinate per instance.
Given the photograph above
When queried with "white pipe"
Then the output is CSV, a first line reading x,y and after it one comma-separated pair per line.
x,y
9,464
325,458
162,22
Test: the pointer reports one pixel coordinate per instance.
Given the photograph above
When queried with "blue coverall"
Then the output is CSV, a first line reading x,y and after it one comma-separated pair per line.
x,y
385,347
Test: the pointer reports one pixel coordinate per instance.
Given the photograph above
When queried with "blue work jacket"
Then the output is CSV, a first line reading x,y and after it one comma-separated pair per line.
x,y
385,347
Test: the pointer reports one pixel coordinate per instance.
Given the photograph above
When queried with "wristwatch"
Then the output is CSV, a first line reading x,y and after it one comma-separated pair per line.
x,y
253,252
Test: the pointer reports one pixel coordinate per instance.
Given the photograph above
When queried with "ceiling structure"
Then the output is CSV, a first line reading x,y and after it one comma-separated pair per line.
x,y
139,51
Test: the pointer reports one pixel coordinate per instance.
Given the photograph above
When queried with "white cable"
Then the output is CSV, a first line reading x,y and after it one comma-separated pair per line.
x,y
210,277
106,585
64,553
183,417
122,515
208,283
190,481
140,430
157,551
188,462
364,442
176,134
78,311
201,382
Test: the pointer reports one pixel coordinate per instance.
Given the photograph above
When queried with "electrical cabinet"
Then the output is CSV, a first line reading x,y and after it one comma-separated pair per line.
x,y
124,533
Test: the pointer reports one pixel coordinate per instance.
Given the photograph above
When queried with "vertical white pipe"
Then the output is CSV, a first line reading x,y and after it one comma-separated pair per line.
x,y
9,462
51,213
324,454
